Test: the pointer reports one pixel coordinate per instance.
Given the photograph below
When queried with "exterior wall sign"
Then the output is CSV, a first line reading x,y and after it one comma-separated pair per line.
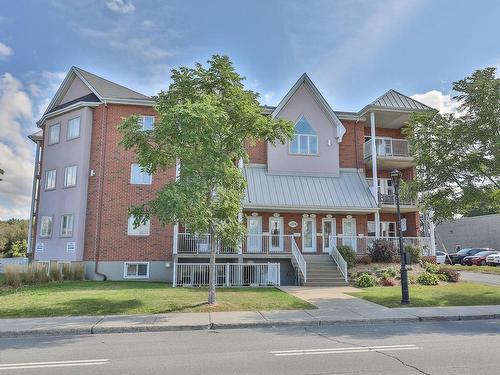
x,y
40,246
292,224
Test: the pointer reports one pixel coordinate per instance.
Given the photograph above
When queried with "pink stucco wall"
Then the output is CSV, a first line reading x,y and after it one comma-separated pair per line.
x,y
303,103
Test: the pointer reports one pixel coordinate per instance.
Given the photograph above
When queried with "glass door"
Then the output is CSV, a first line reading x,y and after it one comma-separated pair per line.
x,y
349,233
308,235
328,231
254,236
276,234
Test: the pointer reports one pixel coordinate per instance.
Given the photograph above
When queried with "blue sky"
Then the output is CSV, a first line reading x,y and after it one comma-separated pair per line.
x,y
353,50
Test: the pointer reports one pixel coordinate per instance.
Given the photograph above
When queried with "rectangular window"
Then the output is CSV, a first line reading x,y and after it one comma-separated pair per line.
x,y
70,176
73,128
54,131
146,122
136,270
138,176
46,226
50,179
66,225
141,230
304,144
63,266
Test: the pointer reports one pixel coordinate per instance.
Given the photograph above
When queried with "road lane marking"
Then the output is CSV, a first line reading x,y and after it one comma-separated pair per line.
x,y
33,365
382,348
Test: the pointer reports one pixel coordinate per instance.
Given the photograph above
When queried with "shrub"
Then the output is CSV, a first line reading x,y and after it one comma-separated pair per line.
x,y
366,259
442,277
413,279
388,282
54,273
78,271
27,274
365,281
348,254
390,273
13,276
451,275
427,278
431,267
382,251
413,253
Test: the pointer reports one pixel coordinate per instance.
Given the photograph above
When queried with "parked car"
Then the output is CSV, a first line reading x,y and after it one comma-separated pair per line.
x,y
478,259
441,257
458,257
493,259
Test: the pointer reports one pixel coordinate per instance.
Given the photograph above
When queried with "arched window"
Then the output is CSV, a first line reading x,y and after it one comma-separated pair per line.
x,y
305,140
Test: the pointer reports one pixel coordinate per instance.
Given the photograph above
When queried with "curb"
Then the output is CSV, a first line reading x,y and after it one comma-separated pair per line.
x,y
96,330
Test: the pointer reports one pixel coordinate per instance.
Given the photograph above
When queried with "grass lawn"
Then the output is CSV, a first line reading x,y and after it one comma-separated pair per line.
x,y
453,294
479,269
129,297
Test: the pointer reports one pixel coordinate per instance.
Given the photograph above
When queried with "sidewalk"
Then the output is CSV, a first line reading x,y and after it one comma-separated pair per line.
x,y
334,307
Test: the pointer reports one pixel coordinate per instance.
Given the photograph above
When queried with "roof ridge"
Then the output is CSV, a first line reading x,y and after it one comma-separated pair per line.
x,y
409,97
107,80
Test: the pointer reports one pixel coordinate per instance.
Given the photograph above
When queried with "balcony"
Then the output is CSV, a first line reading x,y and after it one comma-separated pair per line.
x,y
251,245
391,153
387,200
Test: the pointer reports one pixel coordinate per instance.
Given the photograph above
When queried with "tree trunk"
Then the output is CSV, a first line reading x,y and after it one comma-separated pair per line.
x,y
212,299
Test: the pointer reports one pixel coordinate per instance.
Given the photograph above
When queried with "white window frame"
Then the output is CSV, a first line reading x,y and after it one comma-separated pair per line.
x,y
68,138
334,230
142,121
61,263
140,180
51,127
307,137
382,223
66,176
72,226
45,263
125,267
131,231
46,179
51,226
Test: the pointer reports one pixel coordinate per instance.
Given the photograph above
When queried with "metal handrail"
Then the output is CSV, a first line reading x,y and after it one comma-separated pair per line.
x,y
338,259
299,260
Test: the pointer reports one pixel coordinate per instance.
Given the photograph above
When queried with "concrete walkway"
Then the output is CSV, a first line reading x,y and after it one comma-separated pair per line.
x,y
334,307
483,278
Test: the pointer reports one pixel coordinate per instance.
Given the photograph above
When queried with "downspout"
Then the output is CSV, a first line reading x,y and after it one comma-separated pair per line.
x,y
97,240
33,198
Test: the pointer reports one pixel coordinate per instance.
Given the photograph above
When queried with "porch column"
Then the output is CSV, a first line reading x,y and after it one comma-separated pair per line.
x,y
377,224
431,233
175,239
374,157
240,214
36,177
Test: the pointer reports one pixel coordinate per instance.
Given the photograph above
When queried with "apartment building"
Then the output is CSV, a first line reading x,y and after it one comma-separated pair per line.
x,y
328,186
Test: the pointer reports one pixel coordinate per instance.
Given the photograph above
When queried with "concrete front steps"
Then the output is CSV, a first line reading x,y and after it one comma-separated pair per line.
x,y
322,271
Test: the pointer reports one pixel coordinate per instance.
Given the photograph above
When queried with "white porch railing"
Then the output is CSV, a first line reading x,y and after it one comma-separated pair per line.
x,y
360,244
188,243
388,147
299,261
338,259
227,274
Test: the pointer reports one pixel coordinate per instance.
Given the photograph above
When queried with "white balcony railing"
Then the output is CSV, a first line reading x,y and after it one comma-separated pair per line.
x,y
227,274
388,147
188,243
298,261
361,244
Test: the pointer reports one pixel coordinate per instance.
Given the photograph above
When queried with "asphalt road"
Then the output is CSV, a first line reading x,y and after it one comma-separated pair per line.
x,y
466,347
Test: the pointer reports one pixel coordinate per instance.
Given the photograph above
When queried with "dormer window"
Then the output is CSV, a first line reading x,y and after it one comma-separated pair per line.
x,y
305,140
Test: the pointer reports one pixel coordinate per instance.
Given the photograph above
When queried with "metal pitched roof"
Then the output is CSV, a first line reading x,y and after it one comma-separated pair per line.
x,y
108,89
349,191
395,100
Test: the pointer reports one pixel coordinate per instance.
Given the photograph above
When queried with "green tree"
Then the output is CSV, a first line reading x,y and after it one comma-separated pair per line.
x,y
205,118
457,155
12,231
2,172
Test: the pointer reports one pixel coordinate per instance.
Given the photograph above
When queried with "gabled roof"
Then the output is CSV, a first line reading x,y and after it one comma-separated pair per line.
x,y
101,88
322,102
347,192
393,100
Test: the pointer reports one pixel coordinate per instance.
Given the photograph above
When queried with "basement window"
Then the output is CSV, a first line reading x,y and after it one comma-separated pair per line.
x,y
136,270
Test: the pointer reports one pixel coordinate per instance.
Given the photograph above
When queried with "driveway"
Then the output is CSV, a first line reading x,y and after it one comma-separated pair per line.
x,y
484,278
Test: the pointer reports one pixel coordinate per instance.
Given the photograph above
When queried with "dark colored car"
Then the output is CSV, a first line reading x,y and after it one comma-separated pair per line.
x,y
458,257
477,260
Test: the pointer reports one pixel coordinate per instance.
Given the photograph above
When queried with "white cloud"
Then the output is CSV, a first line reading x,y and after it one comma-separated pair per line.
x,y
444,103
5,51
121,6
16,151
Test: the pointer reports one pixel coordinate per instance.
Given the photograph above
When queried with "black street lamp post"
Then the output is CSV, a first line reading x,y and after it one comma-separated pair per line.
x,y
405,294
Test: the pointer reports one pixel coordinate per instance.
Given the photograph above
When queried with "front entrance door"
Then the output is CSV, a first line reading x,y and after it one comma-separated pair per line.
x,y
349,233
254,238
276,234
328,231
308,235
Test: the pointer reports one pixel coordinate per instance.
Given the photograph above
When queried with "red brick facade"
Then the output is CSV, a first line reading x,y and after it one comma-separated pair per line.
x,y
351,148
118,194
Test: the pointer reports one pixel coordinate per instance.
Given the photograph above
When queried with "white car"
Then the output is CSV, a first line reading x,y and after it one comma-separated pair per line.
x,y
493,259
441,257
